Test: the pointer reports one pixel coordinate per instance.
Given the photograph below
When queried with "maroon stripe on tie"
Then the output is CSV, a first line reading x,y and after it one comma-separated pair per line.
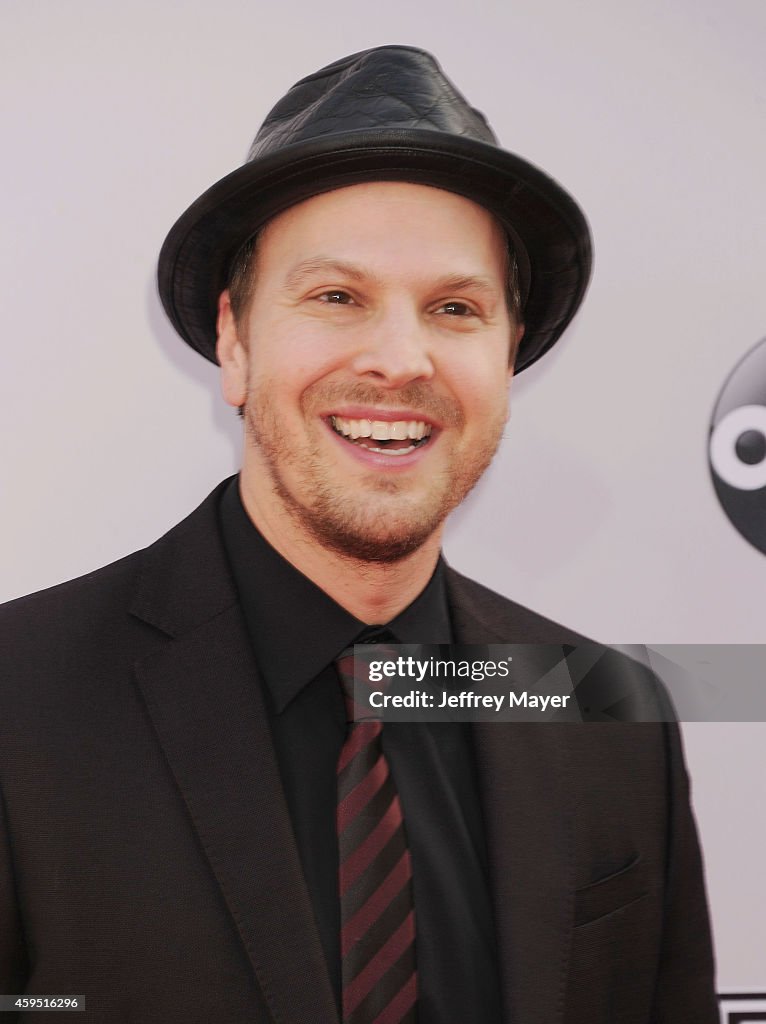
x,y
385,990
361,794
354,865
360,738
384,959
377,937
368,914
357,894
367,945
401,1003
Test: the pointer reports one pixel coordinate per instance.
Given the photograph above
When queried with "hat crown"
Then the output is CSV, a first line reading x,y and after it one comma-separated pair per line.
x,y
394,88
384,114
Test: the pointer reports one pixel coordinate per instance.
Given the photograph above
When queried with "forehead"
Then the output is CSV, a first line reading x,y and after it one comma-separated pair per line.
x,y
389,224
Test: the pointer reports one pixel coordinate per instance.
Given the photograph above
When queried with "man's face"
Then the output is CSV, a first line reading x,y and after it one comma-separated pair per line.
x,y
373,364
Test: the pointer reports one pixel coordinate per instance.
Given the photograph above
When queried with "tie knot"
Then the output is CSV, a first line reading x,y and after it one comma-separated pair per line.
x,y
354,666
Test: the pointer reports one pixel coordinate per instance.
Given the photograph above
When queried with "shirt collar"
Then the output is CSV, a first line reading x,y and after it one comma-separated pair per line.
x,y
297,629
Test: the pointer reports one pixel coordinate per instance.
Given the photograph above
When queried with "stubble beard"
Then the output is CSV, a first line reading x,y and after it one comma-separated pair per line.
x,y
378,521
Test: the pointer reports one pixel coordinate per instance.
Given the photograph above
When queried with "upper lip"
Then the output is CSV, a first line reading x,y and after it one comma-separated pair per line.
x,y
385,415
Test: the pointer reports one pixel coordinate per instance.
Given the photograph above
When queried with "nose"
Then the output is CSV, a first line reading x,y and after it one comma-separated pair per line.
x,y
394,350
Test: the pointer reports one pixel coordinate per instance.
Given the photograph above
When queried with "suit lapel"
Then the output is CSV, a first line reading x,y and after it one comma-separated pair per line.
x,y
203,697
205,702
522,780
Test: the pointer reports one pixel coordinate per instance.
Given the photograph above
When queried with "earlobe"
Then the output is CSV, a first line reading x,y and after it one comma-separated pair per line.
x,y
232,354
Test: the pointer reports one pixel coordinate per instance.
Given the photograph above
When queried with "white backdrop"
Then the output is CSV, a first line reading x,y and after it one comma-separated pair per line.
x,y
599,510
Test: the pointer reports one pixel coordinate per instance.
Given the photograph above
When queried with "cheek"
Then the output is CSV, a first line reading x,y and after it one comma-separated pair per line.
x,y
290,357
482,391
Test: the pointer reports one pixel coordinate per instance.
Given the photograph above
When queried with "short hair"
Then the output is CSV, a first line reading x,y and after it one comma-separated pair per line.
x,y
242,277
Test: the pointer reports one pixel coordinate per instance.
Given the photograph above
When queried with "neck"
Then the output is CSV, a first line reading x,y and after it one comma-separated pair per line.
x,y
374,592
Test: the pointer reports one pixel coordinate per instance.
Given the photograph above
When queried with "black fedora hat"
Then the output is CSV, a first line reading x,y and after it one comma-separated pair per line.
x,y
385,114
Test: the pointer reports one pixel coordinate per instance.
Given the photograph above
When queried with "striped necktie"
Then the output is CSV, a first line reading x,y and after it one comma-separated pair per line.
x,y
375,877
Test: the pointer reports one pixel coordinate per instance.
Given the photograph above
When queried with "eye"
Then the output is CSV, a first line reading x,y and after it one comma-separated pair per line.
x,y
738,448
336,297
457,309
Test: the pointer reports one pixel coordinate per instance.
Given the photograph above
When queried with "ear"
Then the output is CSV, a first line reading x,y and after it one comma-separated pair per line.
x,y
232,354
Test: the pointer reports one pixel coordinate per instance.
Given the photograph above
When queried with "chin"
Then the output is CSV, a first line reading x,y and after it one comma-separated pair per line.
x,y
366,547
385,537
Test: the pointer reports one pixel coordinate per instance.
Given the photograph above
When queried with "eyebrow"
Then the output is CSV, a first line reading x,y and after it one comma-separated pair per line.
x,y
458,283
327,264
324,264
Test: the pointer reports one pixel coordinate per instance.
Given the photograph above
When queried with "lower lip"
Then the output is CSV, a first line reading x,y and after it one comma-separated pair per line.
x,y
392,463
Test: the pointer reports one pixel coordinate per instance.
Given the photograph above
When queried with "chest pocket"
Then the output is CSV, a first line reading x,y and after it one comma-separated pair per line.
x,y
611,893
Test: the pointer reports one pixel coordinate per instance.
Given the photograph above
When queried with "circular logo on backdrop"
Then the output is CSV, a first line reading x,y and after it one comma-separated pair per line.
x,y
737,447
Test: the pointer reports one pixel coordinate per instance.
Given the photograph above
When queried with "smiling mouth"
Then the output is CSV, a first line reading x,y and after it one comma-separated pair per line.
x,y
397,437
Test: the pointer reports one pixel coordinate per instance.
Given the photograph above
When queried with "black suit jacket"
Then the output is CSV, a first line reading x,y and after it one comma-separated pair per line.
x,y
146,854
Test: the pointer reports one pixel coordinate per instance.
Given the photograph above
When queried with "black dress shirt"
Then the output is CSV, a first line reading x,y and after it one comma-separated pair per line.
x,y
297,631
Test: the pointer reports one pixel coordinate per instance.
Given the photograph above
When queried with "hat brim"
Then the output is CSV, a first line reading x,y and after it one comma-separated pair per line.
x,y
547,227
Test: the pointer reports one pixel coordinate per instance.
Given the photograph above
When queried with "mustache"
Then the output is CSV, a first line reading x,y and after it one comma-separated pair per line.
x,y
414,396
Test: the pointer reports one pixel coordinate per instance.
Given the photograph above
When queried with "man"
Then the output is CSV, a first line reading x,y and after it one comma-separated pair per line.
x,y
192,829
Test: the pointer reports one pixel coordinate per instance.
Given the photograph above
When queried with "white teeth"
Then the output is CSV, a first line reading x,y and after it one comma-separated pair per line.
x,y
382,430
393,451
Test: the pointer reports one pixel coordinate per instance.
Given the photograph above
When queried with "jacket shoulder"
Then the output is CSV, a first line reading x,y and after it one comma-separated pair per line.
x,y
479,611
84,604
75,597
